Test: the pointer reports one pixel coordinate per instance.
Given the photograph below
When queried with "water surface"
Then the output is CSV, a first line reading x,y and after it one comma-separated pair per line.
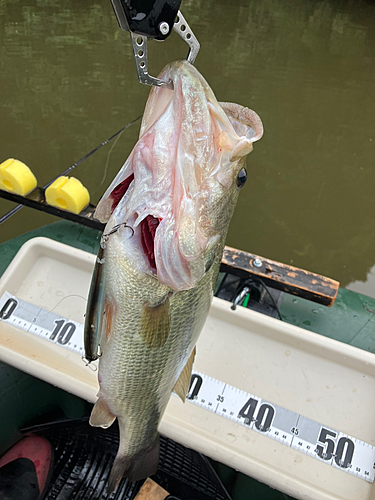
x,y
68,82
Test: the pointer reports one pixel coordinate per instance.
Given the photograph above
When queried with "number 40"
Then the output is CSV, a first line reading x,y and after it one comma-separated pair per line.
x,y
264,416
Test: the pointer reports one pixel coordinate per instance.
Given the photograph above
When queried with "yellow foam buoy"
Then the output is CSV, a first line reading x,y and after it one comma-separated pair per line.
x,y
16,177
68,193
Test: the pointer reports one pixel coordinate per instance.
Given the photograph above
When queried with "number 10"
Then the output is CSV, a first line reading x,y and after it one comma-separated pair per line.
x,y
64,332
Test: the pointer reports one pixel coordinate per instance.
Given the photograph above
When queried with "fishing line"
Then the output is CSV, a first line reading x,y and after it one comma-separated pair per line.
x,y
270,295
109,154
59,302
72,167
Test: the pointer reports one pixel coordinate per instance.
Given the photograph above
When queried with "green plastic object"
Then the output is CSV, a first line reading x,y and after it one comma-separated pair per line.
x,y
351,319
246,301
247,488
70,233
25,399
242,487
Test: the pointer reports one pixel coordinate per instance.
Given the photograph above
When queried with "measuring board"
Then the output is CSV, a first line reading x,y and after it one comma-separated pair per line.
x,y
45,324
323,443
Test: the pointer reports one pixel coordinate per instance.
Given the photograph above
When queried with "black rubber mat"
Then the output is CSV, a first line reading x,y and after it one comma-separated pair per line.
x,y
84,457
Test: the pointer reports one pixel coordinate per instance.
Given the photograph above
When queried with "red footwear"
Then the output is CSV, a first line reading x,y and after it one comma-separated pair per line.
x,y
25,469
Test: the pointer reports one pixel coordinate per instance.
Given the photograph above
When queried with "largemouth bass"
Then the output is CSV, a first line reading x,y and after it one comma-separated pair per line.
x,y
167,214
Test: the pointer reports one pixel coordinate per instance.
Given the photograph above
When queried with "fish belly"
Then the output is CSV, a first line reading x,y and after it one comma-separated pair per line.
x,y
137,371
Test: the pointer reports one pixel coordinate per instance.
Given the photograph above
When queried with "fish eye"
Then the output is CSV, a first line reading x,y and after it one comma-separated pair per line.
x,y
241,179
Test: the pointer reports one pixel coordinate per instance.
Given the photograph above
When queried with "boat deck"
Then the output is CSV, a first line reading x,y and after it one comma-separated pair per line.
x,y
350,320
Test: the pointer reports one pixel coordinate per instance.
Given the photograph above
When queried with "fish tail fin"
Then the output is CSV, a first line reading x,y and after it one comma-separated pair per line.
x,y
135,467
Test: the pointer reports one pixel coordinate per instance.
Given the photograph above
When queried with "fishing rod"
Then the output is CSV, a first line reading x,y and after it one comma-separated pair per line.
x,y
24,200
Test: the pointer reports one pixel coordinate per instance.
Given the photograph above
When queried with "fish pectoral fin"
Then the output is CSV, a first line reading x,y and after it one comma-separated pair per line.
x,y
101,415
183,383
156,323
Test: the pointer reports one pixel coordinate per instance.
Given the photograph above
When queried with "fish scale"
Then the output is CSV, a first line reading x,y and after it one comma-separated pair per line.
x,y
150,367
184,173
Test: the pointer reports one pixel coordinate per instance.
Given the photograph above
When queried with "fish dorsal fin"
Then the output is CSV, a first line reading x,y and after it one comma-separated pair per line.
x,y
183,383
156,323
101,415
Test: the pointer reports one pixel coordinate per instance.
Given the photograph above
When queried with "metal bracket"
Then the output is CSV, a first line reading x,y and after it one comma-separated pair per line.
x,y
182,28
139,44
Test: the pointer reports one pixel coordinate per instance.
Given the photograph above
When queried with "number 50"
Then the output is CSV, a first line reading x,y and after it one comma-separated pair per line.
x,y
345,446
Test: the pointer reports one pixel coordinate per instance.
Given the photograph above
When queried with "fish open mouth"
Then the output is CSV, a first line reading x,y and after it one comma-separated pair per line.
x,y
148,225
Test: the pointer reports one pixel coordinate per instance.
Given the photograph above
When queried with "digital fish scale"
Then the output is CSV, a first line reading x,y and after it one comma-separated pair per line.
x,y
328,445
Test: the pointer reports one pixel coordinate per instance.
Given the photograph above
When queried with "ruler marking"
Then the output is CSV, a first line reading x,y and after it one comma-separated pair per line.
x,y
49,326
32,322
308,447
296,427
323,443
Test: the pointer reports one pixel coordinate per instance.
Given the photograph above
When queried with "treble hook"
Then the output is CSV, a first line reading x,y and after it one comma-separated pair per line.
x,y
105,237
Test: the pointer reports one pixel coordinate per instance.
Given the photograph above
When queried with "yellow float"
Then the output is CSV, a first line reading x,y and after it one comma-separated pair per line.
x,y
16,177
68,193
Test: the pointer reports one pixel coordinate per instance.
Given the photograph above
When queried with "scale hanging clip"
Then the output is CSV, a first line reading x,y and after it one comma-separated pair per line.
x,y
155,21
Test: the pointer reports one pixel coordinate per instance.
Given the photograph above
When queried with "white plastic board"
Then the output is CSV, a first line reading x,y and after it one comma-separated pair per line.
x,y
260,379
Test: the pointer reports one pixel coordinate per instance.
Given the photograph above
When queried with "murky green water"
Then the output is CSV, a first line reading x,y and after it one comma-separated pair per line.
x,y
68,82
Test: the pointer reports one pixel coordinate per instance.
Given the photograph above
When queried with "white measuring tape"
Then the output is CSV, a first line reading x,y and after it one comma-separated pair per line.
x,y
296,431
45,324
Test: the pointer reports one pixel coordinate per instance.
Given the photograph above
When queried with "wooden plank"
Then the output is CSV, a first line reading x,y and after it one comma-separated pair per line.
x,y
283,277
151,491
